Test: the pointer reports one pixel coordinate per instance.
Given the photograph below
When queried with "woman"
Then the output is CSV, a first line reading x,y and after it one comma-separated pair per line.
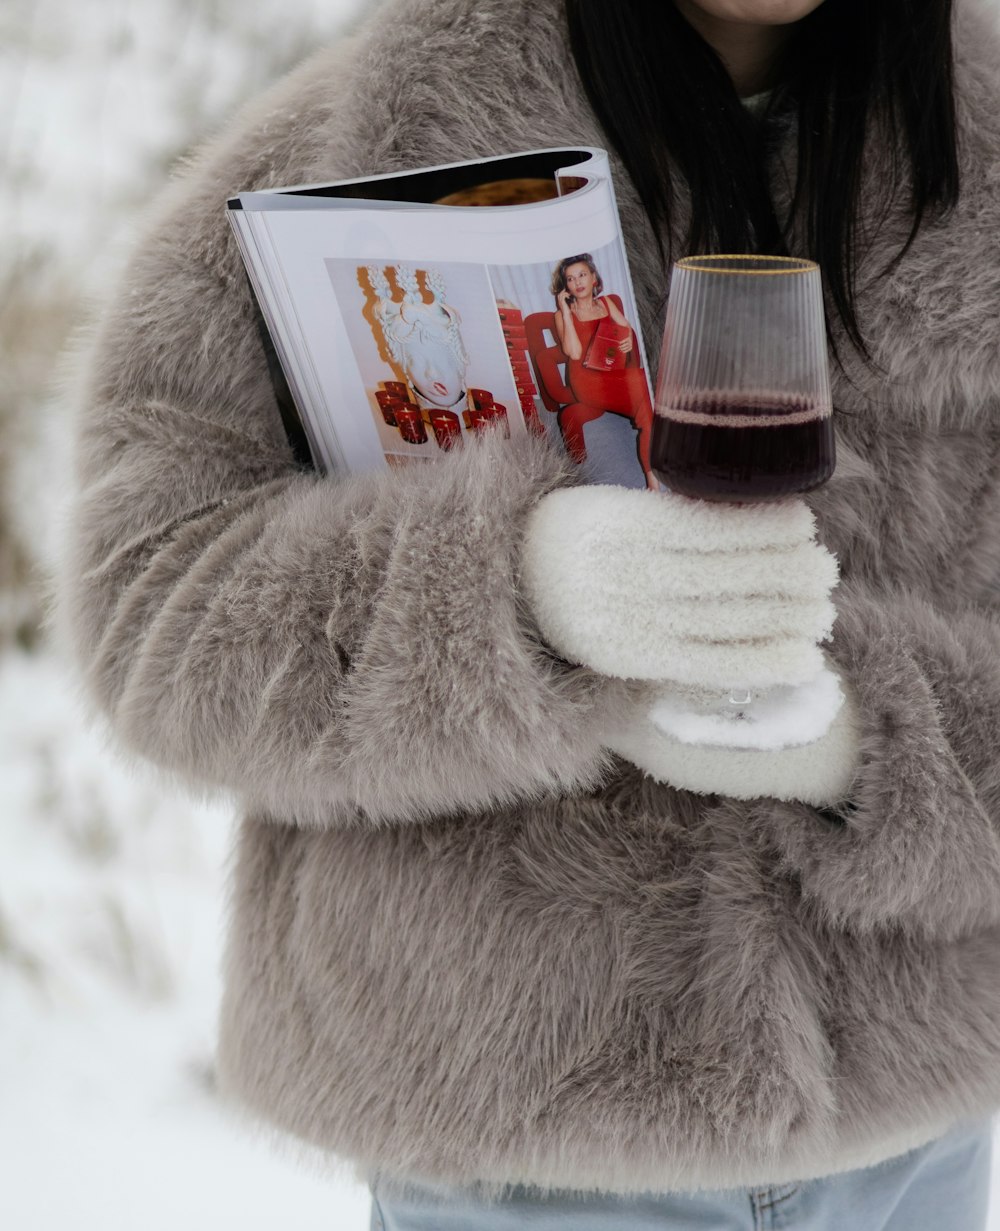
x,y
622,390
469,947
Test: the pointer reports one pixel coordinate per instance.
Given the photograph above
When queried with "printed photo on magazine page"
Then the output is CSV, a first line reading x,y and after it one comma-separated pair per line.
x,y
430,352
583,358
405,313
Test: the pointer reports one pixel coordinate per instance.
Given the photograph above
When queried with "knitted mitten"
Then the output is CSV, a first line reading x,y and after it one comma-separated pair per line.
x,y
707,597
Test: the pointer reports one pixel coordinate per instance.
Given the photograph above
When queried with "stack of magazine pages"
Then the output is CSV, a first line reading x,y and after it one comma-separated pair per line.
x,y
405,313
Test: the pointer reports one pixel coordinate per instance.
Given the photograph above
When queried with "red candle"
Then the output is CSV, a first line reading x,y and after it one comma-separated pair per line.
x,y
447,428
410,421
497,414
388,405
476,420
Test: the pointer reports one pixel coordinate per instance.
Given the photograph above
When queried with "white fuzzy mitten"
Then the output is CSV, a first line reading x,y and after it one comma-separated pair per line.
x,y
654,586
819,772
708,596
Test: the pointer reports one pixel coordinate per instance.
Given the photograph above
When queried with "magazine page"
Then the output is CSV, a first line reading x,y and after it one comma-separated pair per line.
x,y
403,331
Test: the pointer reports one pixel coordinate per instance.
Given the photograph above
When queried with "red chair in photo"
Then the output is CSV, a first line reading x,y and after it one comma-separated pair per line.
x,y
548,361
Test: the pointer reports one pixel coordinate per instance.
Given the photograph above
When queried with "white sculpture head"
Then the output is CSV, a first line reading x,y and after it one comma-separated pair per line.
x,y
424,339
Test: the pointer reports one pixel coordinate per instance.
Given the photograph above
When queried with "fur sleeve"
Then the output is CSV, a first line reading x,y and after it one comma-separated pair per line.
x,y
917,845
328,648
313,643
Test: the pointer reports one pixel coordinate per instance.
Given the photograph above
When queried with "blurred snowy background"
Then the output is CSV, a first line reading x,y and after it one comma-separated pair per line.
x,y
111,887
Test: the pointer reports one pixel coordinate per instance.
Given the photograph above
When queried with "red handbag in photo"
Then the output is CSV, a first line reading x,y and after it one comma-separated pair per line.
x,y
604,354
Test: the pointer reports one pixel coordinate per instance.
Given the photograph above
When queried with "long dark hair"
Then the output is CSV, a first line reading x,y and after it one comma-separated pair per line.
x,y
852,68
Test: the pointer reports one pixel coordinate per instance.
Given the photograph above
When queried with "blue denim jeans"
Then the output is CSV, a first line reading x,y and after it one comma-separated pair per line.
x,y
942,1186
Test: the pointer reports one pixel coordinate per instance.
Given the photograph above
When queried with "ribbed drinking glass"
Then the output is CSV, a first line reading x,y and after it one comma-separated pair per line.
x,y
743,414
743,399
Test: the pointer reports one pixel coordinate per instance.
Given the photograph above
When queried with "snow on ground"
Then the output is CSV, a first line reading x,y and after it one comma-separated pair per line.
x,y
111,882
111,900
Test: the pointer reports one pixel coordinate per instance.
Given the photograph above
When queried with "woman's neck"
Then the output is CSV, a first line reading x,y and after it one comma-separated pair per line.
x,y
751,51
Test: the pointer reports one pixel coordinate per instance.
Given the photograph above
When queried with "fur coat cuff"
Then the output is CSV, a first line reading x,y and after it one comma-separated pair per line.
x,y
819,771
914,842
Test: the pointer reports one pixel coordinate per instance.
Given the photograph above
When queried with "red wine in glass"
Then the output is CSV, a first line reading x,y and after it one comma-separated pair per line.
x,y
731,449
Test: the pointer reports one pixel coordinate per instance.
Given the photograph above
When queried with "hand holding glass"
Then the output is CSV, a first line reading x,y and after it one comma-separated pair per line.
x,y
743,414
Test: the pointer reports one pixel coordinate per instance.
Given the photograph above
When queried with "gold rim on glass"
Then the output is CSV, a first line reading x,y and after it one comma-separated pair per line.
x,y
747,263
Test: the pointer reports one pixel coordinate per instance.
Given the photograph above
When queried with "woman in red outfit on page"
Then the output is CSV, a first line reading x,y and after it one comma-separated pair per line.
x,y
613,386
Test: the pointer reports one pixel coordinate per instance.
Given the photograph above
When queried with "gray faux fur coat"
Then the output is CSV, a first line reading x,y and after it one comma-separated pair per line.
x,y
466,943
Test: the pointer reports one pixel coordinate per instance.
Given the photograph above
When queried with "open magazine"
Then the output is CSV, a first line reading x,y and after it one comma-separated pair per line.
x,y
407,312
